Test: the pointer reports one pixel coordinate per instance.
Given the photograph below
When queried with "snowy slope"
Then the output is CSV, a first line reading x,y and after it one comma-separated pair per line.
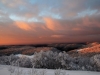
x,y
26,71
92,49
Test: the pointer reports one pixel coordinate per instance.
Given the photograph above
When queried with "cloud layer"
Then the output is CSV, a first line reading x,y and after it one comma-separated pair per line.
x,y
49,21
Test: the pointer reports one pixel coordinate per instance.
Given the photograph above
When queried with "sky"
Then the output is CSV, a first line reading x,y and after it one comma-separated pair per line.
x,y
49,21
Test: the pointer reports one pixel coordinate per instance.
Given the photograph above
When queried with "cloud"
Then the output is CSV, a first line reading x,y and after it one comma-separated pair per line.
x,y
23,25
12,3
58,36
53,24
87,12
50,20
57,9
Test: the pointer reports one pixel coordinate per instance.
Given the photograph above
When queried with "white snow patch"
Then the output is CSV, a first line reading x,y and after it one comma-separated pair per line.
x,y
79,50
28,56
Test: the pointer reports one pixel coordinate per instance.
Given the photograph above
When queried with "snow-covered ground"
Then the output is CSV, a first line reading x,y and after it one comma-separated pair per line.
x,y
26,71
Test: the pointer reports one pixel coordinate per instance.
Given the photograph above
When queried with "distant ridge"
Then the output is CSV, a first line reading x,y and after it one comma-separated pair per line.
x,y
91,48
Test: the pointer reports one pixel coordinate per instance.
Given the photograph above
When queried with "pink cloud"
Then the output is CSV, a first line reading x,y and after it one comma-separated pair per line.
x,y
53,24
23,25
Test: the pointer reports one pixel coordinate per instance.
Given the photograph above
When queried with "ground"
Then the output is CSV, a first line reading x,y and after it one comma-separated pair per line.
x,y
26,71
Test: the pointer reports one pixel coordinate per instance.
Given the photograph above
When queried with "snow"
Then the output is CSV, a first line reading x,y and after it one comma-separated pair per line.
x,y
25,71
79,49
28,56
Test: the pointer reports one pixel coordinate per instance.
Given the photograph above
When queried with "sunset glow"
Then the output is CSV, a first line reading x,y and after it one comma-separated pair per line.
x,y
49,21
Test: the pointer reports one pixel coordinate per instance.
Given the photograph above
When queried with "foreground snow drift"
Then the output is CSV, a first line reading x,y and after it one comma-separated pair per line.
x,y
26,71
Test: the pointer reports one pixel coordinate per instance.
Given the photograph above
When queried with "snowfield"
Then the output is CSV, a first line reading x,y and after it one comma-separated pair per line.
x,y
26,71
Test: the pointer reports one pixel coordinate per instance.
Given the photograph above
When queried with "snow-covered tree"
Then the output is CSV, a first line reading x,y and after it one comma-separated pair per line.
x,y
95,62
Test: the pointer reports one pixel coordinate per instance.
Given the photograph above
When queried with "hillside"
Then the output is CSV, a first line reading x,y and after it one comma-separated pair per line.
x,y
88,50
93,49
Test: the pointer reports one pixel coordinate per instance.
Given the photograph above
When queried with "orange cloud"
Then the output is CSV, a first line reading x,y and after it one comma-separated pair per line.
x,y
58,36
53,24
23,25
